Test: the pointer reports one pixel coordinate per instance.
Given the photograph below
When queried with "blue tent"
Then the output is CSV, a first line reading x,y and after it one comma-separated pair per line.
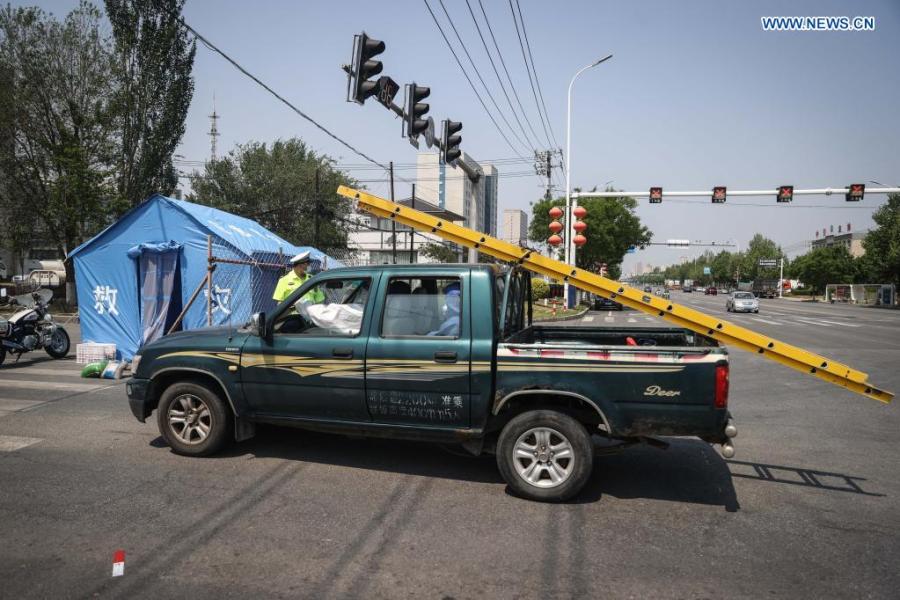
x,y
135,277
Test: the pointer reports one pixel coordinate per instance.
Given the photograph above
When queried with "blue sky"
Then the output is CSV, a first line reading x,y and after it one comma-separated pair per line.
x,y
696,95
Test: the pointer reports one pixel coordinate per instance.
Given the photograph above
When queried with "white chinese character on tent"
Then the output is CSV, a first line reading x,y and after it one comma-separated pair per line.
x,y
221,298
105,300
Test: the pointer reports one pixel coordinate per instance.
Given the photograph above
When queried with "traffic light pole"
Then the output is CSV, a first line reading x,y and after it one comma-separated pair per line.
x,y
705,193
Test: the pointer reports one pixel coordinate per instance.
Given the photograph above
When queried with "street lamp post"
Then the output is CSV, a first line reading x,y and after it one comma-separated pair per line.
x,y
569,254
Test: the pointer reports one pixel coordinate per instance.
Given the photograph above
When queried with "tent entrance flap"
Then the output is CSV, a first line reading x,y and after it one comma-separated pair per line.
x,y
159,279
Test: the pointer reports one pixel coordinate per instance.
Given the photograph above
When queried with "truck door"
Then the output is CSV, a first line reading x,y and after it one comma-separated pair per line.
x,y
311,364
418,358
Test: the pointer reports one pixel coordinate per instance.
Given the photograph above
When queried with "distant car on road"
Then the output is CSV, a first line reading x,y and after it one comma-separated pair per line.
x,y
687,289
711,291
648,289
742,302
601,303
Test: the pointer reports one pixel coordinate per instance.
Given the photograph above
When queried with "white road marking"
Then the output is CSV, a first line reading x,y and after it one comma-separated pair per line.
x,y
811,322
11,443
649,319
765,321
630,320
608,319
14,404
588,319
52,385
841,324
609,313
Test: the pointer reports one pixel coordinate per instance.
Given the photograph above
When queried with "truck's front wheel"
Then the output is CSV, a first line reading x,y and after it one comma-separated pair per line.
x,y
545,455
193,419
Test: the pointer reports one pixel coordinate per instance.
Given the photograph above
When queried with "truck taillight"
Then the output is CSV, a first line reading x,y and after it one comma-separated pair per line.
x,y
721,386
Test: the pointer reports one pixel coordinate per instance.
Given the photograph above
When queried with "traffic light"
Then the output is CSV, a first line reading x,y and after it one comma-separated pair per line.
x,y
856,192
414,121
718,195
450,140
656,195
785,193
362,67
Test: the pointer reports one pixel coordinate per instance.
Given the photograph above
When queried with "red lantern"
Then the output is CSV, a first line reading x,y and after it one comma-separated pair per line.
x,y
579,226
555,212
554,240
555,226
579,240
579,212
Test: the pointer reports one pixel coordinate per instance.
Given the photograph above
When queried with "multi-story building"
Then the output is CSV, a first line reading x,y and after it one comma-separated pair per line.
x,y
515,226
852,240
376,241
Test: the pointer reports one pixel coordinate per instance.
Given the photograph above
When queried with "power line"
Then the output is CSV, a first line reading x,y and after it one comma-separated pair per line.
x,y
497,73
534,69
528,72
472,85
506,71
259,82
480,78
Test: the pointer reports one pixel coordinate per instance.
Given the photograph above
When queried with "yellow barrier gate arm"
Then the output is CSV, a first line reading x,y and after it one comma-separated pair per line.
x,y
728,333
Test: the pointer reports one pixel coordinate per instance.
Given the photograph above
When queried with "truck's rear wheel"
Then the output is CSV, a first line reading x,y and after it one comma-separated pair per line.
x,y
545,455
193,419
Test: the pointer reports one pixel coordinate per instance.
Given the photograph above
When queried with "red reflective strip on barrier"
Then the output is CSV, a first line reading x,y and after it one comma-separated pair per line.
x,y
553,353
599,355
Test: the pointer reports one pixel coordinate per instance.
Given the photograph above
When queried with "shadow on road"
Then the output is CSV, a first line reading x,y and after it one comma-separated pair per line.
x,y
823,480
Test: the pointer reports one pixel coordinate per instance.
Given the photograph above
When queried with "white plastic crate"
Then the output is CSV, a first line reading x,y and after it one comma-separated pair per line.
x,y
91,352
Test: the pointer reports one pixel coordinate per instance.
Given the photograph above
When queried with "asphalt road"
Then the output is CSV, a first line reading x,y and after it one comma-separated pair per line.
x,y
807,509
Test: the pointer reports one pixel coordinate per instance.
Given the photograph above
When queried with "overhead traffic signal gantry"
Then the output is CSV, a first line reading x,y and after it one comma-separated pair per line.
x,y
362,67
414,121
855,192
450,140
719,194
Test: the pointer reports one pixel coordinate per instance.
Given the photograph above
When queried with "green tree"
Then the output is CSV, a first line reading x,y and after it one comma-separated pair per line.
x,y
612,228
441,253
882,244
760,247
819,267
155,58
277,185
59,126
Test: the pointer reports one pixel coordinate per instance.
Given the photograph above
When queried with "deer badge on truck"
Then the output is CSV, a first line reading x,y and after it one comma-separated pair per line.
x,y
655,390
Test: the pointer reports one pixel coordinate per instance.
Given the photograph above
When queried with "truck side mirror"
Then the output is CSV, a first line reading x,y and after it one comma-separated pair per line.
x,y
259,324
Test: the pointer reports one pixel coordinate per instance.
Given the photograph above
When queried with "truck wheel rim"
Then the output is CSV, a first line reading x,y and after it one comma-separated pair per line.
x,y
189,419
543,457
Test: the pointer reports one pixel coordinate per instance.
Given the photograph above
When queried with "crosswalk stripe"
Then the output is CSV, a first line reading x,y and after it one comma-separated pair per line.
x,y
588,319
765,321
630,320
839,323
811,322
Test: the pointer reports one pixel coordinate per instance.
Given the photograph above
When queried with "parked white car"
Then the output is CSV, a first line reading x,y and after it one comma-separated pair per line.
x,y
742,302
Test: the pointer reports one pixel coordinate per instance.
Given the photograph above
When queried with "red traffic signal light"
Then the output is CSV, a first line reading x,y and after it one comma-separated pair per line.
x,y
719,194
785,193
656,195
856,192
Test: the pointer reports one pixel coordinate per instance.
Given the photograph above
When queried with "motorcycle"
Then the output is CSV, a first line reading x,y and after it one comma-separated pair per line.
x,y
32,328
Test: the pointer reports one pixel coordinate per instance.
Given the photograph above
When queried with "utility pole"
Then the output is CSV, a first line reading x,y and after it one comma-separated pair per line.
x,y
781,278
393,222
412,232
543,166
317,211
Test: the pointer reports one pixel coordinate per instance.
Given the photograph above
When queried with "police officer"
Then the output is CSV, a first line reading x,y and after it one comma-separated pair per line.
x,y
296,278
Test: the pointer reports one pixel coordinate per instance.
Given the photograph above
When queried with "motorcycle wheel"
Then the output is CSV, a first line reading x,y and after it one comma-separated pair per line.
x,y
59,344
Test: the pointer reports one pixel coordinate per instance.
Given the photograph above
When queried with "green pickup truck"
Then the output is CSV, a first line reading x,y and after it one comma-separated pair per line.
x,y
443,353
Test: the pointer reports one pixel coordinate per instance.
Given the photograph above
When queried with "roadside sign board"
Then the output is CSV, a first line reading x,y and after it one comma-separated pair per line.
x,y
767,262
707,271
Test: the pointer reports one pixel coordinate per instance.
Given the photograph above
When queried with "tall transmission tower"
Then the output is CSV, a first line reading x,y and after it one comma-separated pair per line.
x,y
213,131
544,165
